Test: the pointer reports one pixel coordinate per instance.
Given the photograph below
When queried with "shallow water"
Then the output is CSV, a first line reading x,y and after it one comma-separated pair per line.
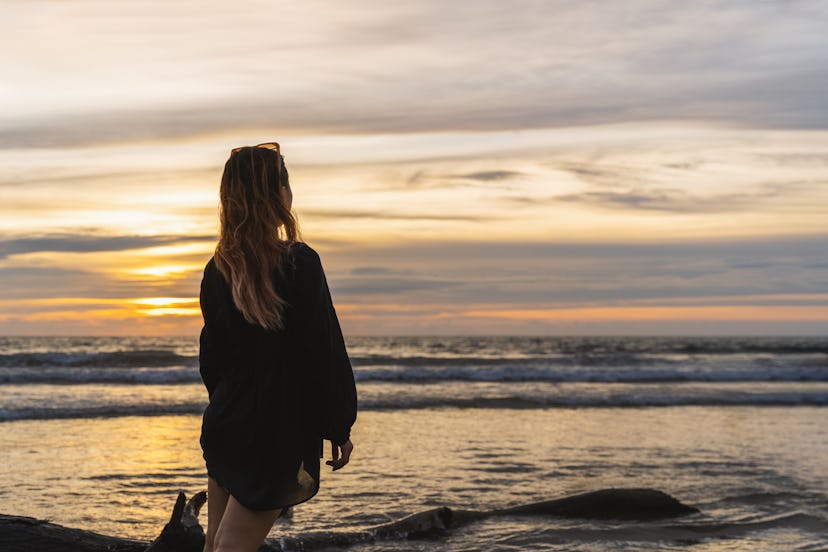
x,y
757,474
101,433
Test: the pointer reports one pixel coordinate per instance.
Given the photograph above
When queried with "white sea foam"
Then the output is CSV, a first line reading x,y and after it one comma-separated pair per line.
x,y
91,377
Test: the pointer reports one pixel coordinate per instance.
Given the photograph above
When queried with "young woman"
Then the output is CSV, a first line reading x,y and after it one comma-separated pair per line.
x,y
271,356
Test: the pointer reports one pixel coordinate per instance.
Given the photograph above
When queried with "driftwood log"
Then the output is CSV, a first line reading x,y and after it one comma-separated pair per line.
x,y
184,534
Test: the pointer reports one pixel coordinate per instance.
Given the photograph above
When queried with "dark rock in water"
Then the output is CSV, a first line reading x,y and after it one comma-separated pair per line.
x,y
623,504
181,534
25,534
184,534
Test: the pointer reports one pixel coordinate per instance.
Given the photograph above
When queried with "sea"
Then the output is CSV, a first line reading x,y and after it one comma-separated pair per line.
x,y
101,433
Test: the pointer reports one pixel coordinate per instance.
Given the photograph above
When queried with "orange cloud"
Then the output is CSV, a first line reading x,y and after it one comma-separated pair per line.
x,y
696,312
182,316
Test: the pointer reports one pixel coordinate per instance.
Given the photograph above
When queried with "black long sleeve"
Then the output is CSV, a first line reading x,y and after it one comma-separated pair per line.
x,y
324,353
210,351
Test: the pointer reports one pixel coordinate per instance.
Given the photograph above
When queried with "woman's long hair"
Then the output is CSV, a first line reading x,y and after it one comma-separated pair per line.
x,y
256,230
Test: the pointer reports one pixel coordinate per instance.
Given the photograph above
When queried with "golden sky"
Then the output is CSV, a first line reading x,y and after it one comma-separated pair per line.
x,y
466,167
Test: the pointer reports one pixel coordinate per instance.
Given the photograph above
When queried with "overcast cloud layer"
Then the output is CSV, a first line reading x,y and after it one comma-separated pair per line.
x,y
91,72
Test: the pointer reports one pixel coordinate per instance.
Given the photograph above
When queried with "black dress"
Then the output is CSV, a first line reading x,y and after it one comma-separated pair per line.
x,y
274,395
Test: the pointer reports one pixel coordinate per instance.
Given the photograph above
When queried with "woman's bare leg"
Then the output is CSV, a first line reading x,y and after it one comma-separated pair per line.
x,y
216,503
242,529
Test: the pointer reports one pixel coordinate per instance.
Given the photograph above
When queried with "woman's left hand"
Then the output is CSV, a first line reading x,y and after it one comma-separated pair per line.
x,y
340,454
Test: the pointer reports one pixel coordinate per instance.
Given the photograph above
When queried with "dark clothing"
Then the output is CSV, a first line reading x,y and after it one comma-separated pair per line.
x,y
274,395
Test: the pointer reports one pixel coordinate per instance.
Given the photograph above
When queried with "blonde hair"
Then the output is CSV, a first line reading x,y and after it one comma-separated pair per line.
x,y
256,230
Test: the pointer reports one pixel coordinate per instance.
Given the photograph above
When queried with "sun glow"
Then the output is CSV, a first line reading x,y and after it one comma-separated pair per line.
x,y
164,271
164,301
180,249
170,311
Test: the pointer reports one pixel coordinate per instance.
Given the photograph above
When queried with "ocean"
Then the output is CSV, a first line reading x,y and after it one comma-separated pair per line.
x,y
101,433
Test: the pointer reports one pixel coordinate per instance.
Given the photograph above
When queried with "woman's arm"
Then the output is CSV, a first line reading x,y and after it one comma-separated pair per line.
x,y
324,351
209,346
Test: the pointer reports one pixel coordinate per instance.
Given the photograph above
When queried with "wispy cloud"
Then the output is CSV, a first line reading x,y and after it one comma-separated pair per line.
x,y
600,174
89,242
488,176
768,195
386,215
680,201
424,179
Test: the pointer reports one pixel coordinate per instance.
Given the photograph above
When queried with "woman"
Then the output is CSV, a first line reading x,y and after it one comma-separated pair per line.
x,y
271,356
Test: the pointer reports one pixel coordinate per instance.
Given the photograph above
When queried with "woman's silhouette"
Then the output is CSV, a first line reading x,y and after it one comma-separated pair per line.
x,y
271,356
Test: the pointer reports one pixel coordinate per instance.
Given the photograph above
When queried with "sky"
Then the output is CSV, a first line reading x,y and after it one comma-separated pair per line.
x,y
467,167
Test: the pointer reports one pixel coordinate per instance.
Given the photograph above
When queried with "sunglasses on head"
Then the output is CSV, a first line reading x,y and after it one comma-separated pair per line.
x,y
267,145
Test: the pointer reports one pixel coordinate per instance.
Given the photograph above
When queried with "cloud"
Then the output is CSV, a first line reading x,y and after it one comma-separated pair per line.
x,y
431,179
674,200
506,254
795,159
48,282
523,273
658,200
386,215
371,270
603,175
368,279
393,286
430,66
89,242
489,176
513,273
42,282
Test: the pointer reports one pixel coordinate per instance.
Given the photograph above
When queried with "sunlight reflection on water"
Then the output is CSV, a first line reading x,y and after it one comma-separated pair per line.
x,y
120,475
